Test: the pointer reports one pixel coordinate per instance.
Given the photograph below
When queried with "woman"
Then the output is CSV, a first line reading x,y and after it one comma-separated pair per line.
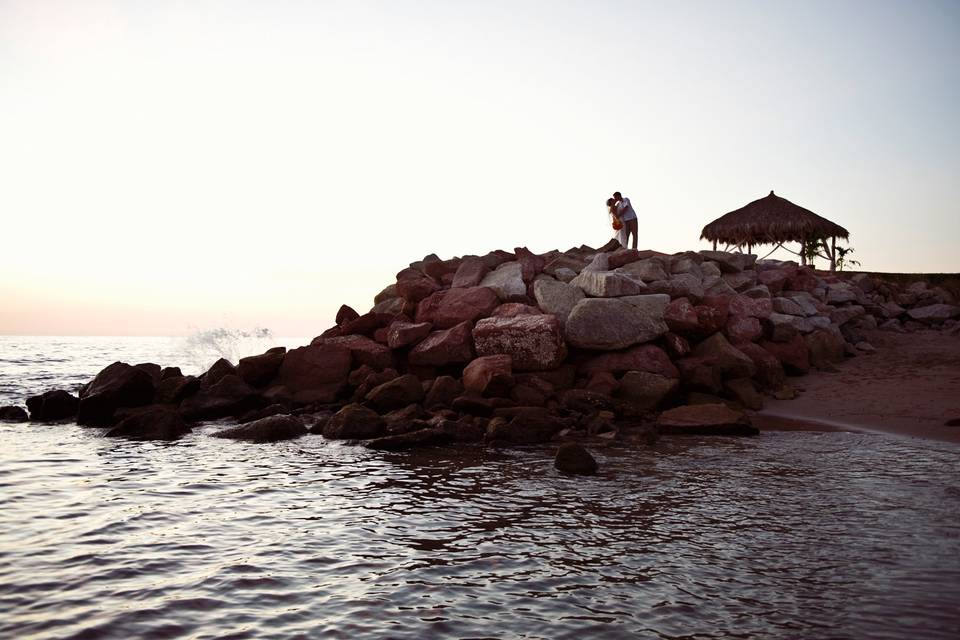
x,y
620,229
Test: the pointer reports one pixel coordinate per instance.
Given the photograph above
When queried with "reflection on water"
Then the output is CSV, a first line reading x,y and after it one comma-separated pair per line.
x,y
787,535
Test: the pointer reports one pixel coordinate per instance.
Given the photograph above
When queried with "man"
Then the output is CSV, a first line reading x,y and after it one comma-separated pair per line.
x,y
627,216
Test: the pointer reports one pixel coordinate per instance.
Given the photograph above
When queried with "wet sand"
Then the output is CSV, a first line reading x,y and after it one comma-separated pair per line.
x,y
909,387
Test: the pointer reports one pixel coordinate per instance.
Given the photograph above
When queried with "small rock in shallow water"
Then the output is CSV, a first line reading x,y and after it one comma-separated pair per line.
x,y
575,459
269,429
13,414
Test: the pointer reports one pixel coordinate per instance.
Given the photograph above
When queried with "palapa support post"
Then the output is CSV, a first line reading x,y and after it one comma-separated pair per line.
x,y
714,245
833,254
803,251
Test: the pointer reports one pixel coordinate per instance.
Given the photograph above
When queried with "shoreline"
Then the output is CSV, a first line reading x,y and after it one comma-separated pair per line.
x,y
910,387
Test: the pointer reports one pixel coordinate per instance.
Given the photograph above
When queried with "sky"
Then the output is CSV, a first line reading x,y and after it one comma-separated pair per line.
x,y
169,167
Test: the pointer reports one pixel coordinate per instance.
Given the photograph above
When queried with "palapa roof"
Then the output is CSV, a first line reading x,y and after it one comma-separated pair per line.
x,y
770,220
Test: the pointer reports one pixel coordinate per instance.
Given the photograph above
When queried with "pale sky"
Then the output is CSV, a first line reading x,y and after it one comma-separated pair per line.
x,y
173,166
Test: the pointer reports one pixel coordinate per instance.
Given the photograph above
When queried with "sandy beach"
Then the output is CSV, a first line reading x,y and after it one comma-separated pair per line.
x,y
910,387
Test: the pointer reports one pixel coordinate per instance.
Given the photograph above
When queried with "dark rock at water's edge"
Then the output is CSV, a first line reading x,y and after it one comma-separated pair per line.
x,y
269,429
53,405
154,422
574,459
514,348
13,414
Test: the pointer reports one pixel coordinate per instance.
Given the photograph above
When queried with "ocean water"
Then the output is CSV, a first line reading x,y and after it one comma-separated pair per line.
x,y
787,535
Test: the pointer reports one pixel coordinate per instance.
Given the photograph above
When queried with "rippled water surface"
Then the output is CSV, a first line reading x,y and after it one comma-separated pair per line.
x,y
789,535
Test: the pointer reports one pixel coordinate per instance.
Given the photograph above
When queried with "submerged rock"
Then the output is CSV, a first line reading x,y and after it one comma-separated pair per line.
x,y
269,429
355,422
706,419
575,459
13,414
154,422
53,405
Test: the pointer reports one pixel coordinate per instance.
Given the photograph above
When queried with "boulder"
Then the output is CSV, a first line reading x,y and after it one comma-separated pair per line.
x,y
403,334
676,346
396,393
534,343
487,370
841,292
681,285
742,329
528,425
645,391
650,270
566,263
773,279
449,346
470,273
413,286
445,309
222,367
174,390
153,369
317,373
842,315
170,372
732,362
770,374
259,370
806,302
270,429
743,391
557,298
622,257
934,313
741,305
647,357
792,354
230,396
52,405
730,262
389,292
507,282
607,284
424,437
346,314
787,306
706,419
609,324
681,317
441,270
700,373
514,309
574,459
155,422
13,414
825,348
354,422
364,351
565,275
118,385
443,391
530,263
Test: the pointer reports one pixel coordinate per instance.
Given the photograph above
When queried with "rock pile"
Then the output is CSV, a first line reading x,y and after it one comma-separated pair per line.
x,y
515,347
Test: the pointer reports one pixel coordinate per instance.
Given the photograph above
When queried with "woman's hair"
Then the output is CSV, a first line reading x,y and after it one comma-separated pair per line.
x,y
610,202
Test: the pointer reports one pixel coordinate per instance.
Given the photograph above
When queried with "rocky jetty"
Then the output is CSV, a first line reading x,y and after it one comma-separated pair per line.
x,y
519,348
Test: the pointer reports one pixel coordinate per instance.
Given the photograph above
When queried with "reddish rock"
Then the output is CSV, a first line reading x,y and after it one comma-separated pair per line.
x,y
365,351
450,346
445,309
440,269
825,347
268,429
681,317
366,324
217,371
153,369
559,379
621,257
706,419
395,394
732,362
346,314
676,346
712,318
118,385
646,357
530,425
534,342
317,373
229,397
644,391
530,263
770,374
413,286
513,309
574,459
470,273
743,329
443,391
487,371
741,305
403,334
700,373
603,382
803,279
774,279
792,355
155,422
172,372
743,391
355,422
259,370
174,390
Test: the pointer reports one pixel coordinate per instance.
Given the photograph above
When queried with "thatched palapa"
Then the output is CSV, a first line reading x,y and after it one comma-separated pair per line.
x,y
772,220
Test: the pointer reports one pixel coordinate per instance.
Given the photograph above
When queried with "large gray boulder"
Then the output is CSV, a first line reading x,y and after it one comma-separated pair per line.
x,y
644,391
934,313
730,262
607,284
557,298
506,281
608,324
648,270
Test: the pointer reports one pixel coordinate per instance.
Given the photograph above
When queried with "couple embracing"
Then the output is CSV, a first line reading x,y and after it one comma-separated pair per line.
x,y
624,219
